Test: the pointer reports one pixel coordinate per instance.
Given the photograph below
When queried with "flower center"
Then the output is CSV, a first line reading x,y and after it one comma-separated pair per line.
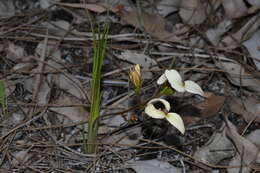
x,y
159,105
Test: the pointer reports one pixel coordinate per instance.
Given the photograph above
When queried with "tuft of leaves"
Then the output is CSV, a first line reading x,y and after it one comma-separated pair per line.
x,y
99,48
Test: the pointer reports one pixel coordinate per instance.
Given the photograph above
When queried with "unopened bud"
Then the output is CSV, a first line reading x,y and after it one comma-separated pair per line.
x,y
135,76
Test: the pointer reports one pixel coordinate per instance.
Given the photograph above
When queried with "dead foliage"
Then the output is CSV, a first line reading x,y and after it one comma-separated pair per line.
x,y
46,60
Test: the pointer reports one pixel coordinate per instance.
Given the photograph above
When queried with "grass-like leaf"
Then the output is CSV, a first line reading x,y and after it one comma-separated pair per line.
x,y
99,48
3,97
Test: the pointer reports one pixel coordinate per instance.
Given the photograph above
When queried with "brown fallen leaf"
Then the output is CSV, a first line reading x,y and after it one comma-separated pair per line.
x,y
246,150
249,108
190,114
153,24
209,107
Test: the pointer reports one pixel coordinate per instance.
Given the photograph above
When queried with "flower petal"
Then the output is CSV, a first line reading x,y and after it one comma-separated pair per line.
x,y
164,102
153,112
193,87
138,69
161,79
175,80
176,121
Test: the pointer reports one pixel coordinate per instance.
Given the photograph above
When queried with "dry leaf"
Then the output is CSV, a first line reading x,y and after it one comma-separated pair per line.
x,y
59,27
237,74
50,50
7,8
236,161
244,33
75,114
45,4
166,7
234,8
190,114
249,108
113,122
211,105
15,52
192,12
127,137
21,157
214,34
254,2
10,86
252,46
92,7
216,149
98,8
68,83
118,5
254,137
14,119
153,166
44,91
137,58
22,67
143,60
245,149
154,25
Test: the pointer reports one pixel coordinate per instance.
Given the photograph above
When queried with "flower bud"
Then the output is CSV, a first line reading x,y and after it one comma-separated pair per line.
x,y
135,76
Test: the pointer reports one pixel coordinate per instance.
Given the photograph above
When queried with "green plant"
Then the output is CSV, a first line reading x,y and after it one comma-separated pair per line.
x,y
3,101
99,48
171,81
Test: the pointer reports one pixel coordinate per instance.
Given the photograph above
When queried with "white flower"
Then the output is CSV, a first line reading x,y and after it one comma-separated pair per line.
x,y
161,113
175,80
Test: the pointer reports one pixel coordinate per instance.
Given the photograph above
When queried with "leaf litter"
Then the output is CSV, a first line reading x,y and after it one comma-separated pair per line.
x,y
46,76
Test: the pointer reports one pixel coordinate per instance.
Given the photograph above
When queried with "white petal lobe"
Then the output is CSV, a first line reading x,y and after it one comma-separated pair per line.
x,y
176,121
192,87
161,79
175,80
151,111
